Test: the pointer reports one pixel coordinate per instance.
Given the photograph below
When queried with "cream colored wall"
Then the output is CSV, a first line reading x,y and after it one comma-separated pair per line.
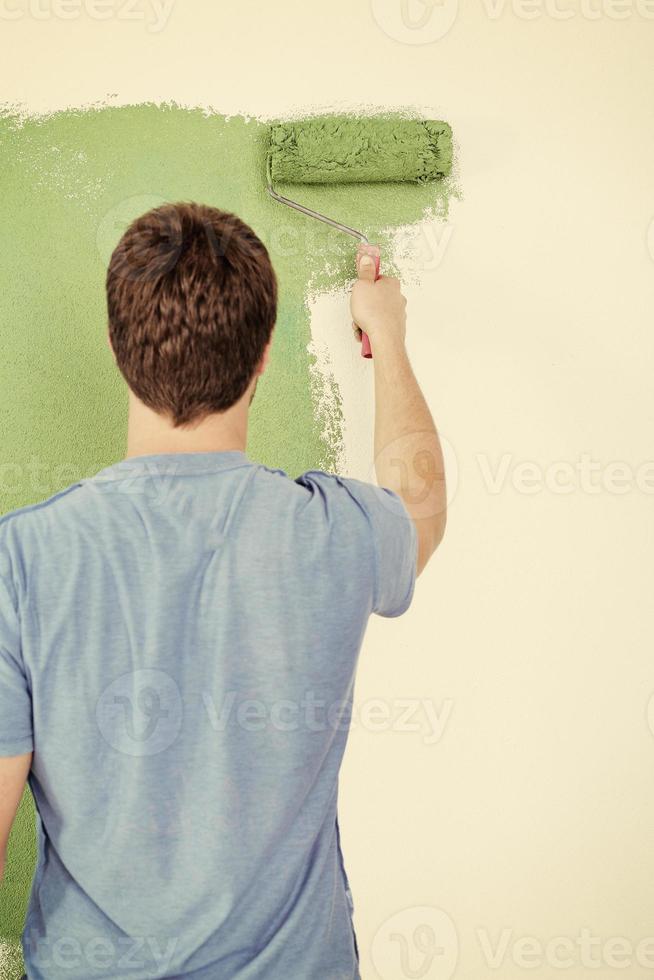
x,y
529,815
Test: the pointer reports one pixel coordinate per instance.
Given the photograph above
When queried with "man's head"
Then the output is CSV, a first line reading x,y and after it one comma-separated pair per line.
x,y
192,302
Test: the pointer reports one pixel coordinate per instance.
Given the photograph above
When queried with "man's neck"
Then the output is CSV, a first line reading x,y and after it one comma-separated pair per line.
x,y
150,434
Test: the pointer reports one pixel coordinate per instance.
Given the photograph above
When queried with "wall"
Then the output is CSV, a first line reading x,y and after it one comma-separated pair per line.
x,y
523,807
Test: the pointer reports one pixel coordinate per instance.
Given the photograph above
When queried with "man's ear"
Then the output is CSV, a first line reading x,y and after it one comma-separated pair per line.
x,y
265,358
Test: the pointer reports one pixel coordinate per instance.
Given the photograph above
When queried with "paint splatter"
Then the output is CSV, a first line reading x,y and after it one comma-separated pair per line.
x,y
11,961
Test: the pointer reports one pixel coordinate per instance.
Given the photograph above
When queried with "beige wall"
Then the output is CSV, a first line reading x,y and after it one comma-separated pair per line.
x,y
530,638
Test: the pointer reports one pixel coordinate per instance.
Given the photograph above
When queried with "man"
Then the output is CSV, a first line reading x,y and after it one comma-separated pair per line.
x,y
179,636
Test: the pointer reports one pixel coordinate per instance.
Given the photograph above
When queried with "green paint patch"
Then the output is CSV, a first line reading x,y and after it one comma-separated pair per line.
x,y
72,182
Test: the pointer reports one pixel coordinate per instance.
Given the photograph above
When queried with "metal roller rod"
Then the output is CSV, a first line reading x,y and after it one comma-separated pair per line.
x,y
312,214
316,214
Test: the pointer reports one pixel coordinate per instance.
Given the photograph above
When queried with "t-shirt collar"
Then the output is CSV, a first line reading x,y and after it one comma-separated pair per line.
x,y
175,464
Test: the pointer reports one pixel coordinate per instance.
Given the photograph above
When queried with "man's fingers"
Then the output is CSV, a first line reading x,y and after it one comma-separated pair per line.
x,y
366,268
367,258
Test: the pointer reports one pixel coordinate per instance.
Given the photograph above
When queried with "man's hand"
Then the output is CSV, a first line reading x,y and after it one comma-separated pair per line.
x,y
378,308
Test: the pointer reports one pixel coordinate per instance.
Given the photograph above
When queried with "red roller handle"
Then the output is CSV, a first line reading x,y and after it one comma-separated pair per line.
x,y
374,252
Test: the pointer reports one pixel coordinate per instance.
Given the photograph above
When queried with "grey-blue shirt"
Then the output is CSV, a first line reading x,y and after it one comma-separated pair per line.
x,y
178,642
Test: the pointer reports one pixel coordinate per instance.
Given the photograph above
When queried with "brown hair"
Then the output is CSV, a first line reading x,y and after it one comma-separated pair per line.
x,y
192,301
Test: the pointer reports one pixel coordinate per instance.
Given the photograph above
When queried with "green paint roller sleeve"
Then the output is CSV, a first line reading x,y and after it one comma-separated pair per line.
x,y
344,150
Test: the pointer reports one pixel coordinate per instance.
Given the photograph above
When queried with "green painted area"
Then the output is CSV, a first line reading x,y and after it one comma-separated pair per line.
x,y
340,149
72,182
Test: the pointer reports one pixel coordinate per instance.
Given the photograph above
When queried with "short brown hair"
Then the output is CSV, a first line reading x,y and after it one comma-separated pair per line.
x,y
192,301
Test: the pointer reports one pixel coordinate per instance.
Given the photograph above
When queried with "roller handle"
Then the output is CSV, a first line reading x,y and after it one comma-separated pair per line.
x,y
373,251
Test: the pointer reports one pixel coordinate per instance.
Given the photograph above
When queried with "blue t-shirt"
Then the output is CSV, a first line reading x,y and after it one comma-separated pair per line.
x,y
178,643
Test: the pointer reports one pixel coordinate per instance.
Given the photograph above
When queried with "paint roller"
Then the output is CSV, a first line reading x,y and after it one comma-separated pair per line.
x,y
345,150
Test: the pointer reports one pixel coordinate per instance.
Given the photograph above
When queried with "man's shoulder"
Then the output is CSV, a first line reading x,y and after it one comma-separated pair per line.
x,y
308,480
20,515
350,489
314,492
335,481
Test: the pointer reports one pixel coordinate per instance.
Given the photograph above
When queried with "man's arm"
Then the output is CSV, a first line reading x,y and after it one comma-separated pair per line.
x,y
13,776
408,456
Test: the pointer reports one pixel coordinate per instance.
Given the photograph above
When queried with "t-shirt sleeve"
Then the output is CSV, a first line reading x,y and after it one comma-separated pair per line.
x,y
16,736
389,529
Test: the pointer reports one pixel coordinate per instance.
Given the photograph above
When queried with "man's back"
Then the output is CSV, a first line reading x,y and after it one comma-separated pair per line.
x,y
178,644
